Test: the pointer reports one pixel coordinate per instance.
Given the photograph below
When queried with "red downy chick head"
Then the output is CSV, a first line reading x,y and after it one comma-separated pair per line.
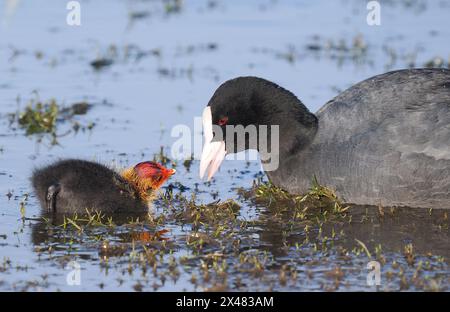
x,y
152,173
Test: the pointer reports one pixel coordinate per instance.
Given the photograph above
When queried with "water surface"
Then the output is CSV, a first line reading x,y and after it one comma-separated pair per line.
x,y
166,63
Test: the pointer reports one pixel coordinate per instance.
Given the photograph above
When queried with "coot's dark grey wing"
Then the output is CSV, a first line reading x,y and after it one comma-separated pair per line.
x,y
410,108
389,135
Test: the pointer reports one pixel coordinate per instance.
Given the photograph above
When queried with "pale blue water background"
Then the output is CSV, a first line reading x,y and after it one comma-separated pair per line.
x,y
142,105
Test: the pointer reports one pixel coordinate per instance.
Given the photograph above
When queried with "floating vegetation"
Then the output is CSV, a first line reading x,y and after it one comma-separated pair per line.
x,y
173,6
340,50
318,199
101,63
296,242
437,62
135,15
188,162
198,48
162,158
42,118
39,117
356,51
80,108
216,212
176,72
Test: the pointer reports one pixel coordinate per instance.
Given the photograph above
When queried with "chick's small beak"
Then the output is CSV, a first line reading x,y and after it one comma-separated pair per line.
x,y
171,172
166,173
163,175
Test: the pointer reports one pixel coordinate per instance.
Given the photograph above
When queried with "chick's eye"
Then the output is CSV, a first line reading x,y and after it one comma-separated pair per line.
x,y
223,121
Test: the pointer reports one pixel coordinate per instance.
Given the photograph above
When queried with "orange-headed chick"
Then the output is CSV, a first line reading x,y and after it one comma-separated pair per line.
x,y
73,185
146,177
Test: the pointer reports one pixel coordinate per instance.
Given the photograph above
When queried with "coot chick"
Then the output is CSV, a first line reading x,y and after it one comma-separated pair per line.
x,y
385,140
73,185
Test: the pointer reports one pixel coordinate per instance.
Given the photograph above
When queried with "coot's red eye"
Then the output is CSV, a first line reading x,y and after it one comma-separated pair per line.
x,y
223,121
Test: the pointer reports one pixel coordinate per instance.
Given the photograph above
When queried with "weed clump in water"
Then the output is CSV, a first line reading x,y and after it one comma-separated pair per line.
x,y
173,6
319,198
39,117
42,118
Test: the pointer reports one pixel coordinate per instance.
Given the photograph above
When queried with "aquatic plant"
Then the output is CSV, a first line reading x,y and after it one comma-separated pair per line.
x,y
319,197
39,117
42,118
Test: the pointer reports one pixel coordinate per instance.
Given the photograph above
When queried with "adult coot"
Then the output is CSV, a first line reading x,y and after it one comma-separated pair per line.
x,y
72,186
386,140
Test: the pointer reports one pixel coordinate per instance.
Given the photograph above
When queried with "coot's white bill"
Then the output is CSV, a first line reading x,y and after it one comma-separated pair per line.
x,y
213,153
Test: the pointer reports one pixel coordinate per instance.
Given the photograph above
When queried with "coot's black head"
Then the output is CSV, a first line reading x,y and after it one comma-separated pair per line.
x,y
237,102
247,102
234,103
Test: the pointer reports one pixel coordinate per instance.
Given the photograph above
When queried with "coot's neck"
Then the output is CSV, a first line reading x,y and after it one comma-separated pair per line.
x,y
297,125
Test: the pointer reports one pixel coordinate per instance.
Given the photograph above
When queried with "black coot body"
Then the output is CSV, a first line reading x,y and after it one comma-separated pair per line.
x,y
72,186
385,140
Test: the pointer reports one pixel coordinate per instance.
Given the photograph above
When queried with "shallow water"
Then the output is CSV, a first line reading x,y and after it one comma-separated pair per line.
x,y
165,67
